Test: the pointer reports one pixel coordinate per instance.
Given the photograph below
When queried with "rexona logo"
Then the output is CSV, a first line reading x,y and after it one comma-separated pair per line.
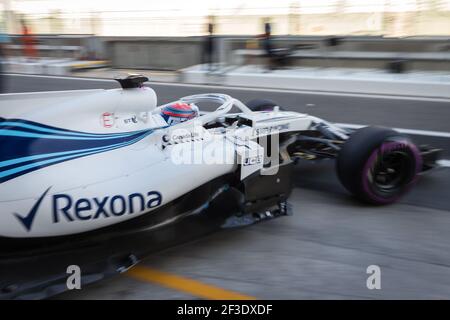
x,y
66,208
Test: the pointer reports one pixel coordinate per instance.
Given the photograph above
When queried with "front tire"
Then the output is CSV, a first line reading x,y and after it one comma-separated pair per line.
x,y
378,165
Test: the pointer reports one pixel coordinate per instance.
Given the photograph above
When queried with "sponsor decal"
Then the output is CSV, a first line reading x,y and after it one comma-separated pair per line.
x,y
271,129
250,161
68,209
132,120
27,220
188,135
108,119
181,136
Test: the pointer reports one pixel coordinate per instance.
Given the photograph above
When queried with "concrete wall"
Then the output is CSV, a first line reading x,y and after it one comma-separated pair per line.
x,y
180,52
356,44
173,53
154,53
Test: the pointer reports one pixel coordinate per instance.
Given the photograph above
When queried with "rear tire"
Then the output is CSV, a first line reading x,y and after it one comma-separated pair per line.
x,y
261,105
378,165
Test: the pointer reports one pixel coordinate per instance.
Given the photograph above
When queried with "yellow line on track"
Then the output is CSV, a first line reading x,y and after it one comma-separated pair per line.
x,y
186,285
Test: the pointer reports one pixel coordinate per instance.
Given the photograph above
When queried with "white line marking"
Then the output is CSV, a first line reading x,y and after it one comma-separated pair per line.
x,y
58,77
240,88
444,163
439,134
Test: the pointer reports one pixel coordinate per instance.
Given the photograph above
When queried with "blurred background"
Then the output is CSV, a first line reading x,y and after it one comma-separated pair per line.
x,y
155,34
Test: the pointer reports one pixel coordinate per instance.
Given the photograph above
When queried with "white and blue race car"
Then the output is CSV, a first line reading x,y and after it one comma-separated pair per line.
x,y
102,169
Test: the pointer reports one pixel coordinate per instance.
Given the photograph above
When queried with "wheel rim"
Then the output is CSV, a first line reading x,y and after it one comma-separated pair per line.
x,y
391,172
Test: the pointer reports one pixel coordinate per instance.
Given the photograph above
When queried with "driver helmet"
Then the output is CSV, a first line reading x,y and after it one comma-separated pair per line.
x,y
179,112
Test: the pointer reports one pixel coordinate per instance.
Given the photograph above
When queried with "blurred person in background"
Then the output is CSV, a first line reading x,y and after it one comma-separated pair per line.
x,y
208,46
278,57
29,48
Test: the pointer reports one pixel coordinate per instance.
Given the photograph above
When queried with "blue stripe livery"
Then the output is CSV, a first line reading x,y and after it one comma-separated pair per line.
x,y
26,146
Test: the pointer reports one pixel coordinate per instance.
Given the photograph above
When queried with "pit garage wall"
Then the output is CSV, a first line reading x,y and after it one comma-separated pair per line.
x,y
154,53
174,53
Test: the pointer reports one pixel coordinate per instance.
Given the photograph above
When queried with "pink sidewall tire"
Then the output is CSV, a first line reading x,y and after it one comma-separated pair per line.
x,y
378,165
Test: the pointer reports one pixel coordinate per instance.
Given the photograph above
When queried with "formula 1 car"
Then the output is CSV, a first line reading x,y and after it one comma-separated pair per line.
x,y
90,177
